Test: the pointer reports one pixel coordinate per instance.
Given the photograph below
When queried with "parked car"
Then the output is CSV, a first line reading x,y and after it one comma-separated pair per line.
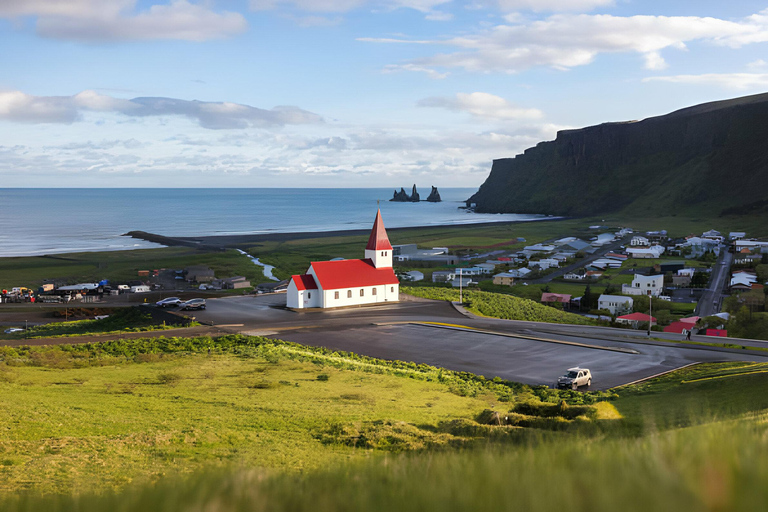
x,y
193,304
13,330
574,378
168,302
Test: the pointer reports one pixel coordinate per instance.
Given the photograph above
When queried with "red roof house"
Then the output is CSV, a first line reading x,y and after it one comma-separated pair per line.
x,y
635,319
555,297
338,283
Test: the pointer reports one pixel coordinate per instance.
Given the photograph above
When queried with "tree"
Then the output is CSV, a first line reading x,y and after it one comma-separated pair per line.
x,y
587,299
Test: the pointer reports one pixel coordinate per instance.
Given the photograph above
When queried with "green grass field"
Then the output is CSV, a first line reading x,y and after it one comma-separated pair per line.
x,y
263,427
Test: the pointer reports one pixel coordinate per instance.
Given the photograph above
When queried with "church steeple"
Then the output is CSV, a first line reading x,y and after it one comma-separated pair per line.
x,y
379,250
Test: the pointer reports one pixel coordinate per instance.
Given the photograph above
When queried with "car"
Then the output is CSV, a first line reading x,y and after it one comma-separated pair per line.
x,y
168,302
574,378
193,304
13,330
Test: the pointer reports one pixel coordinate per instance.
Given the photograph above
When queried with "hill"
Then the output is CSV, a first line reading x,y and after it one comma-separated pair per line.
x,y
707,158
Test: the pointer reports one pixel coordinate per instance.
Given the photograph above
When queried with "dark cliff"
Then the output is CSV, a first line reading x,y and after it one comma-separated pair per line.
x,y
708,158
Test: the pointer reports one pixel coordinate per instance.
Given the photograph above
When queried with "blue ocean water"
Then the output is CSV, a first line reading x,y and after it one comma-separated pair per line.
x,y
50,221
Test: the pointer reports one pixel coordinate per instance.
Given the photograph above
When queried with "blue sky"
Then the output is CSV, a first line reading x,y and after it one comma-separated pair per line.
x,y
344,93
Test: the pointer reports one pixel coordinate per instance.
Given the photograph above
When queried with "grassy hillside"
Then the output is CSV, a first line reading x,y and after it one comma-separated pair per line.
x,y
718,462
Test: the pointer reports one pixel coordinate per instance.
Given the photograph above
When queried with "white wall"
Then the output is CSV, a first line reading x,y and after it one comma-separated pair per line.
x,y
381,259
384,293
299,299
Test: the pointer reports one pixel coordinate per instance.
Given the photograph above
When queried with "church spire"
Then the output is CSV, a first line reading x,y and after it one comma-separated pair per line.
x,y
378,241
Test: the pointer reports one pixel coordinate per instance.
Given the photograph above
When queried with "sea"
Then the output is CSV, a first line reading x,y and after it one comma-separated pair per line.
x,y
37,221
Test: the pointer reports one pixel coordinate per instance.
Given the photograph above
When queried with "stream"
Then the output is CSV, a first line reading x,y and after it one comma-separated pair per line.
x,y
267,268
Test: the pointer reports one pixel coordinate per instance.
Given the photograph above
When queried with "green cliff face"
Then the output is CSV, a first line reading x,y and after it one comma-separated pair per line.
x,y
709,158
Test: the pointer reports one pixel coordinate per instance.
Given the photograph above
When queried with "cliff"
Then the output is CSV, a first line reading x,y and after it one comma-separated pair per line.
x,y
709,158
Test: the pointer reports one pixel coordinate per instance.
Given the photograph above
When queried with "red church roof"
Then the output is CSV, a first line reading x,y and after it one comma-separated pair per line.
x,y
332,275
378,240
304,282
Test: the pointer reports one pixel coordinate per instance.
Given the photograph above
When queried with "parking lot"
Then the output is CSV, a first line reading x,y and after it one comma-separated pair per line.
x,y
510,350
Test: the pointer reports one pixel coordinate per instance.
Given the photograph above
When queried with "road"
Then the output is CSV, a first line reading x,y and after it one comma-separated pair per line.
x,y
711,300
528,352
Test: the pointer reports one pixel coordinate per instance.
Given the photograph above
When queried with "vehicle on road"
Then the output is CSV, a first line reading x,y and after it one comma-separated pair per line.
x,y
575,378
13,330
193,304
168,302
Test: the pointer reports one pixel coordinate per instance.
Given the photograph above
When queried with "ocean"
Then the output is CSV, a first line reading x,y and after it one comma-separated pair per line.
x,y
50,221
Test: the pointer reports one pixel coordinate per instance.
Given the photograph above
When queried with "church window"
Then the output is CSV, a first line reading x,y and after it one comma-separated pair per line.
x,y
362,292
392,289
374,291
336,295
349,294
309,295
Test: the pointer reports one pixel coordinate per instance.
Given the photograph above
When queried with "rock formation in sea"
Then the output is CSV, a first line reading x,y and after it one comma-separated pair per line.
x,y
434,196
403,197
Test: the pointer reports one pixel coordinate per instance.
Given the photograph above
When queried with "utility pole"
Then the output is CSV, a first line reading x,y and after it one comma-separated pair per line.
x,y
461,297
650,312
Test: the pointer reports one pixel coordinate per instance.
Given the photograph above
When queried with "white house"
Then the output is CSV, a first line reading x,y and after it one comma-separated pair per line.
x,y
652,252
616,304
331,284
644,285
639,241
602,239
544,264
539,248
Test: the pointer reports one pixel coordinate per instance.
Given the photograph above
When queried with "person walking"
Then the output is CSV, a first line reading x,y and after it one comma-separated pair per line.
x,y
688,334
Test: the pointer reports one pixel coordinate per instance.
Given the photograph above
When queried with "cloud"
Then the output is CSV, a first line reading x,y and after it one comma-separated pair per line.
x,y
431,73
20,107
118,20
564,41
734,81
341,6
438,16
483,105
757,64
552,5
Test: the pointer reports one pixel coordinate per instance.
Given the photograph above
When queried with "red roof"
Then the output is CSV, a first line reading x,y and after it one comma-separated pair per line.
x,y
555,297
332,275
640,317
378,240
304,282
690,319
679,327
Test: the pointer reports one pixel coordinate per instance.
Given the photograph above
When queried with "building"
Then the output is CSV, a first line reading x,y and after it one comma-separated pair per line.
x,y
504,279
331,284
652,252
411,252
443,276
199,274
644,285
602,239
555,297
639,241
616,304
635,319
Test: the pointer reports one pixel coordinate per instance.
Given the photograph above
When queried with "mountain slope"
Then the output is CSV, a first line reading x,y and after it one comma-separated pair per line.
x,y
710,157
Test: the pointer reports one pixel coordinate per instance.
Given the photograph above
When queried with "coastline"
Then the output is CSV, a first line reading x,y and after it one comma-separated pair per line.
x,y
222,242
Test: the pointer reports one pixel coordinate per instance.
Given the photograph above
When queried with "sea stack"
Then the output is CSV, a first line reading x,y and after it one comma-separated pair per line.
x,y
434,196
415,195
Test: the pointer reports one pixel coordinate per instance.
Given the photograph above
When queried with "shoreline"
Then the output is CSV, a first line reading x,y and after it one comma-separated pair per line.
x,y
223,242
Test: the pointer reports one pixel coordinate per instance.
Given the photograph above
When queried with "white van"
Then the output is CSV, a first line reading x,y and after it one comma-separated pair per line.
x,y
140,289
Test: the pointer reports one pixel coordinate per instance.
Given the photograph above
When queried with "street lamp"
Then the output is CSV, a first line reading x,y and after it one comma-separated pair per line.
x,y
461,297
650,312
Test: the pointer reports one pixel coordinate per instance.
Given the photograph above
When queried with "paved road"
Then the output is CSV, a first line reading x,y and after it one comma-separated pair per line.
x,y
512,350
711,300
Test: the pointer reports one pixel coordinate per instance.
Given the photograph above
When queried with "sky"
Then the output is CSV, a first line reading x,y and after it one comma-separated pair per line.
x,y
344,93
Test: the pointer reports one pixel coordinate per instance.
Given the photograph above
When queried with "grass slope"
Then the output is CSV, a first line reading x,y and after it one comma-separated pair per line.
x,y
497,305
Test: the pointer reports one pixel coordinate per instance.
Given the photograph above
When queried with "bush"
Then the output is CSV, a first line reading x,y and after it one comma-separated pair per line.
x,y
323,377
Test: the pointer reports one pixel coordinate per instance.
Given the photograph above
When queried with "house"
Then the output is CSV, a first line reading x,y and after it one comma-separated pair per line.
x,y
654,251
742,281
644,285
602,239
234,283
575,276
639,241
273,287
471,271
504,279
555,297
414,275
671,266
635,319
536,248
736,235
575,245
489,267
443,276
330,284
411,252
544,264
713,235
199,274
594,274
520,273
616,304
603,263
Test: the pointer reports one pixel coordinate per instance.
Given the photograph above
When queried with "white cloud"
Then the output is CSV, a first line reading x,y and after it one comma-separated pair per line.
x,y
116,20
20,107
483,105
439,16
431,73
564,41
757,64
552,5
733,81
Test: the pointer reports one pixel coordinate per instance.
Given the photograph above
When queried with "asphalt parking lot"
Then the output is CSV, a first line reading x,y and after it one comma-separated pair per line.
x,y
510,350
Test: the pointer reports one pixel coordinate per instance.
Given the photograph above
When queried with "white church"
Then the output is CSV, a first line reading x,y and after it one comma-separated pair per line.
x,y
333,284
